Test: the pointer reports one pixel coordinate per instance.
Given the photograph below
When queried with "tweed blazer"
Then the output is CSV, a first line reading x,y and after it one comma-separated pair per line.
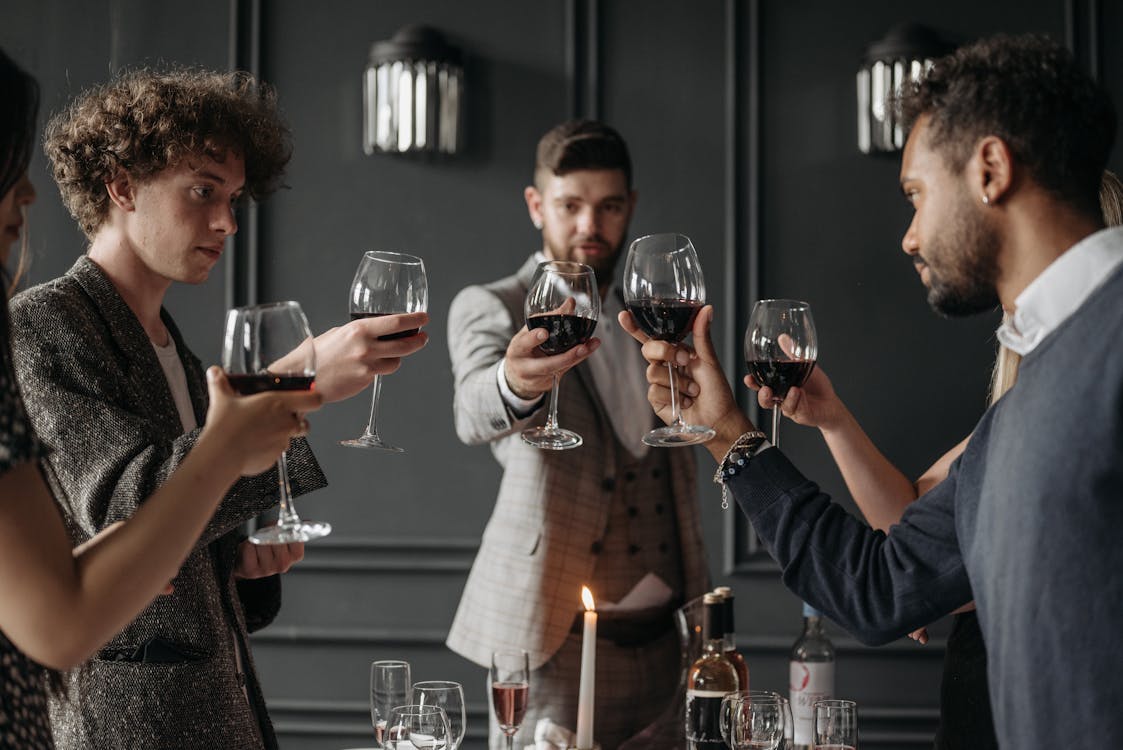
x,y
539,546
101,404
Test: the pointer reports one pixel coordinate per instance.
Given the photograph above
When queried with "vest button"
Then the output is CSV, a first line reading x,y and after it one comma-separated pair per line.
x,y
595,548
659,508
633,549
630,476
608,484
633,511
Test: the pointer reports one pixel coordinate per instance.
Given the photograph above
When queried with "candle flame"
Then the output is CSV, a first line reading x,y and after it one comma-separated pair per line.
x,y
587,598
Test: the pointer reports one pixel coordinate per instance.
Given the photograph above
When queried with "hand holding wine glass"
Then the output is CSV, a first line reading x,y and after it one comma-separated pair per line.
x,y
781,347
563,300
269,348
385,284
664,291
510,690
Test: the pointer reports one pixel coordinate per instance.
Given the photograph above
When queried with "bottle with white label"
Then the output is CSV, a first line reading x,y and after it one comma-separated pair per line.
x,y
712,676
811,673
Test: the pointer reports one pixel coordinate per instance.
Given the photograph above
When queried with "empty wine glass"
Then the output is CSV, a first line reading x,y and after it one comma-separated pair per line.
x,y
417,727
664,290
781,347
389,686
269,348
563,299
448,696
835,725
752,721
385,284
789,724
510,690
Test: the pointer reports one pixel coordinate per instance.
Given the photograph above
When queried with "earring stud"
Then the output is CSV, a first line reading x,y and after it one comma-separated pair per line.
x,y
537,223
986,199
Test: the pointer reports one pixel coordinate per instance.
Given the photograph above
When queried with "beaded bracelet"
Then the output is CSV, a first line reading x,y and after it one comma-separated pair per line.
x,y
735,459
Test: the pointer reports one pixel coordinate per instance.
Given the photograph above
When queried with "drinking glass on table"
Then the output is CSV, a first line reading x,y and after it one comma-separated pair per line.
x,y
448,696
510,690
664,290
563,299
389,686
835,725
752,720
417,727
269,348
781,346
385,284
789,725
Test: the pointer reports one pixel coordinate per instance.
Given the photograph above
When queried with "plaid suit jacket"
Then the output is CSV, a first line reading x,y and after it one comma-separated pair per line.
x,y
100,402
537,549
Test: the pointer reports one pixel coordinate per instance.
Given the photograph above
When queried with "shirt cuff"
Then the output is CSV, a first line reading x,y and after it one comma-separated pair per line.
x,y
520,406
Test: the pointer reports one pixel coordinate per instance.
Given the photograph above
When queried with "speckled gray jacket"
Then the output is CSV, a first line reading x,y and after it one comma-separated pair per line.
x,y
100,402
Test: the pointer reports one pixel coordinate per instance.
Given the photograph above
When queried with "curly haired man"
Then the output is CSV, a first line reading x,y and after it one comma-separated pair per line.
x,y
151,166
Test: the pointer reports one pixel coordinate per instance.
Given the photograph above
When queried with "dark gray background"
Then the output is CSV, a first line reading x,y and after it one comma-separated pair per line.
x,y
689,92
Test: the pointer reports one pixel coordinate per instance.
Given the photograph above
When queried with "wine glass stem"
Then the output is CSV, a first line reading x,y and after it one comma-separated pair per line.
x,y
375,392
510,737
552,418
676,417
776,424
287,515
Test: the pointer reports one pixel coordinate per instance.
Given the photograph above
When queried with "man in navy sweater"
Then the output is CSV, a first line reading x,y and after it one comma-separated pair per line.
x,y
1002,166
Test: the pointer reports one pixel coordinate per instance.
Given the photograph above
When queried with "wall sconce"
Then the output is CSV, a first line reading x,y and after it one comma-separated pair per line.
x,y
413,95
905,54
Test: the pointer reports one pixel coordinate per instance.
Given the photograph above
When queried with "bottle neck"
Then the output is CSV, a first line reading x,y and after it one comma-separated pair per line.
x,y
813,626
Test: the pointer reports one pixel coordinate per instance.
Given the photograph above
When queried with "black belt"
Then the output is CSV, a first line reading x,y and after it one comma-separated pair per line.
x,y
632,630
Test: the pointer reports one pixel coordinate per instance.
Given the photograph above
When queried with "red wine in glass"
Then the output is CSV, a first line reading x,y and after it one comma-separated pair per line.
x,y
510,701
665,319
780,375
565,331
390,336
248,385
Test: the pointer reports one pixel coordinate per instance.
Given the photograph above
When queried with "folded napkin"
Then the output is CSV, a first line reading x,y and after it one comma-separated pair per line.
x,y
551,736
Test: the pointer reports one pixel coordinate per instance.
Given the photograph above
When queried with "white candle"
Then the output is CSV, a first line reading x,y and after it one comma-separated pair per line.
x,y
586,695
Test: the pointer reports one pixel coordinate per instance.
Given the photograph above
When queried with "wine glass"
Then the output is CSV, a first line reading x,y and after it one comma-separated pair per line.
x,y
563,299
269,348
752,721
449,696
385,284
510,690
664,290
780,349
414,726
789,724
835,725
389,687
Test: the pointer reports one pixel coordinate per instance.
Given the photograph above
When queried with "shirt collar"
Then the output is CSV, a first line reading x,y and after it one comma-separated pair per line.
x,y
1061,289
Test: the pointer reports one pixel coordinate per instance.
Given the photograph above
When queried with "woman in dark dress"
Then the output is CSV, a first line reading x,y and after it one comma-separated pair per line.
x,y
58,605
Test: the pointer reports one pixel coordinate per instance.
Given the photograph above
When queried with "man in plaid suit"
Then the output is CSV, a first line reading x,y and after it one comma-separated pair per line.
x,y
607,514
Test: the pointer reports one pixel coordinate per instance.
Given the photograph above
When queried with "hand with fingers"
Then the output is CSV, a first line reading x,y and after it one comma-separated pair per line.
x,y
704,393
814,404
263,560
349,356
255,430
529,369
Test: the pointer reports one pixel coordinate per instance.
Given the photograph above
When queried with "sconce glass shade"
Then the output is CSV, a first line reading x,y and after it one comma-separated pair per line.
x,y
413,95
904,54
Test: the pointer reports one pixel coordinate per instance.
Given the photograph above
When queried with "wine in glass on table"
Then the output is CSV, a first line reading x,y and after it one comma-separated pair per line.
x,y
564,301
781,347
510,690
835,725
449,697
385,284
416,727
389,687
269,348
664,290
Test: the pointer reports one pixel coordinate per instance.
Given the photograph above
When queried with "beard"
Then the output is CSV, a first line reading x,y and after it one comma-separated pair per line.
x,y
963,281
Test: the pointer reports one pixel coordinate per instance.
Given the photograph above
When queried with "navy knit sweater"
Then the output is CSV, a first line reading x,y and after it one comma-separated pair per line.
x,y
1027,523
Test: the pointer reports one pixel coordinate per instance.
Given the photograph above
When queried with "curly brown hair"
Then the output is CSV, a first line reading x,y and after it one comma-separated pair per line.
x,y
1028,91
146,121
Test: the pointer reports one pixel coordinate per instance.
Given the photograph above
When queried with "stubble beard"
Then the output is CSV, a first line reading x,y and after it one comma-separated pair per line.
x,y
965,285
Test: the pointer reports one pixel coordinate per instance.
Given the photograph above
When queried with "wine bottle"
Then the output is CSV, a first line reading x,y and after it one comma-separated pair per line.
x,y
730,631
712,676
811,671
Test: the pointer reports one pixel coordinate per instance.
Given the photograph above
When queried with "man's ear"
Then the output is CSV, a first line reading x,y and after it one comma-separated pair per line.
x,y
121,191
991,170
534,206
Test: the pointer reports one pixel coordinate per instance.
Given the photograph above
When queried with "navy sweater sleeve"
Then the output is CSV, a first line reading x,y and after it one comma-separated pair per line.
x,y
878,587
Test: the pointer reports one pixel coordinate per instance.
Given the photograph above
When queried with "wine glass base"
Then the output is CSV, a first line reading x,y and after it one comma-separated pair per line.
x,y
679,436
372,442
551,440
301,531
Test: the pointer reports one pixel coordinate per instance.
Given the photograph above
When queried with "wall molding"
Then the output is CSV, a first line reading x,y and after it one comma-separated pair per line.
x,y
243,272
583,58
1084,34
389,555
